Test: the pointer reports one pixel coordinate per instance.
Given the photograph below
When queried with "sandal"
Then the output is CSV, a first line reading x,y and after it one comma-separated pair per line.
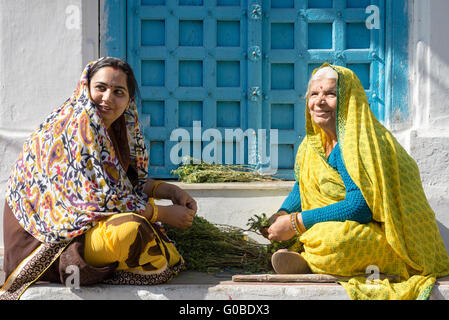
x,y
289,262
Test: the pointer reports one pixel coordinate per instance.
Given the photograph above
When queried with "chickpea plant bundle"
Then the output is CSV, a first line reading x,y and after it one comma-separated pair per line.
x,y
209,247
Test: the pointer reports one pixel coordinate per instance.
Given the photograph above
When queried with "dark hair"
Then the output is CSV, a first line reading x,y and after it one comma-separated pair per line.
x,y
117,63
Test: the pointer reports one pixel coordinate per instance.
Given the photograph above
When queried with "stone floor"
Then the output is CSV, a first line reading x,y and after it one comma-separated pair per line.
x,y
202,286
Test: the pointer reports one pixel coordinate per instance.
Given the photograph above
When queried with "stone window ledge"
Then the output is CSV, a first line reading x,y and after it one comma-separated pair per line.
x,y
268,185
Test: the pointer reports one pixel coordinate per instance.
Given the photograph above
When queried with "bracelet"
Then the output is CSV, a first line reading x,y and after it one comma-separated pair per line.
x,y
297,224
300,227
294,223
155,213
153,190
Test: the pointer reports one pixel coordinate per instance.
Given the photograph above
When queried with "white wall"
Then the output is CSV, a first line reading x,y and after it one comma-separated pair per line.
x,y
44,46
429,103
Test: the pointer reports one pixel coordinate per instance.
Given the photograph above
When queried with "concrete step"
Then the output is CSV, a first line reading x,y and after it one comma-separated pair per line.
x,y
223,204
201,286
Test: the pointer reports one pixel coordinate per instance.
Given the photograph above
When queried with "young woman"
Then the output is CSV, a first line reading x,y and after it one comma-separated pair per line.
x,y
79,193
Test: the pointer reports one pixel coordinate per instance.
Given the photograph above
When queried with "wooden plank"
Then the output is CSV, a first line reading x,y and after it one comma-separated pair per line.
x,y
320,278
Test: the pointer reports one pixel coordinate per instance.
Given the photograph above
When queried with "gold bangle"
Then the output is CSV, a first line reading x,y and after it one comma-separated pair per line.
x,y
155,213
153,190
298,226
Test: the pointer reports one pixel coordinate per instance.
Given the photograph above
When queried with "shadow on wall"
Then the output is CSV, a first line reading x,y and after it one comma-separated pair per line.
x,y
444,231
430,85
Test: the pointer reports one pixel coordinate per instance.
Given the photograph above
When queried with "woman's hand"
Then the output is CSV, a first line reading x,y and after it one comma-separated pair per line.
x,y
271,220
179,215
182,198
174,193
176,216
281,229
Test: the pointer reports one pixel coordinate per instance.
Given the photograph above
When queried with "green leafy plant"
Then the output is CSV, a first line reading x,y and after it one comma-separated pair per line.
x,y
255,223
258,222
203,172
208,247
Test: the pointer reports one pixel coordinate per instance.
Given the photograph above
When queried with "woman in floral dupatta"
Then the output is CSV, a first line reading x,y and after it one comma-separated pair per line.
x,y
79,194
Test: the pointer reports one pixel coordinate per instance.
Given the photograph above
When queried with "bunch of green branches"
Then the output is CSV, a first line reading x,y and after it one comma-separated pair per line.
x,y
202,172
208,247
257,222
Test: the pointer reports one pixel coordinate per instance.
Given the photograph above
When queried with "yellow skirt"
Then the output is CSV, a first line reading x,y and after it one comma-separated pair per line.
x,y
350,249
138,246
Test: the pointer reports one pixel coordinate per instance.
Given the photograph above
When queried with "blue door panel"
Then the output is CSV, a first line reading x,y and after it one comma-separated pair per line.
x,y
190,67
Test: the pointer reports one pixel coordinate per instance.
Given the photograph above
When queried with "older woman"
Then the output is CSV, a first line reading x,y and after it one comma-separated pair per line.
x,y
79,194
358,202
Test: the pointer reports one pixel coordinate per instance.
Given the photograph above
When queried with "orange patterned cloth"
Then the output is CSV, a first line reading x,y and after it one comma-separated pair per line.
x,y
68,175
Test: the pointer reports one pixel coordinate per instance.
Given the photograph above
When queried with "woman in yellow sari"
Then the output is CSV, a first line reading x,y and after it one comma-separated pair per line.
x,y
358,202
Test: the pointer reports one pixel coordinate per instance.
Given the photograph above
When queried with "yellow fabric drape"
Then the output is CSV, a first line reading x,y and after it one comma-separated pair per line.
x,y
404,238
133,242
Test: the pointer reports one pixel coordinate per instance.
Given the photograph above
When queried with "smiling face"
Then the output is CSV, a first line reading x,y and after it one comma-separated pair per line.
x,y
323,103
109,91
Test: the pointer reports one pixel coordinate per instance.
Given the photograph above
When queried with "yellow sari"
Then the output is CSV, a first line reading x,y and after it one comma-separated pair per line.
x,y
403,238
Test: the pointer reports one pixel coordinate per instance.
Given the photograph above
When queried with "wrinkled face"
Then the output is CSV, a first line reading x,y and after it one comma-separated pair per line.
x,y
323,103
109,92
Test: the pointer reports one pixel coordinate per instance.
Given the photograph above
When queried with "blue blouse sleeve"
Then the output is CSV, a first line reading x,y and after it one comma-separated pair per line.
x,y
353,207
293,201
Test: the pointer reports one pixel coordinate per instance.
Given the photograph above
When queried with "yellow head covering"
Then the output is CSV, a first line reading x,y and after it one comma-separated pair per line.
x,y
387,176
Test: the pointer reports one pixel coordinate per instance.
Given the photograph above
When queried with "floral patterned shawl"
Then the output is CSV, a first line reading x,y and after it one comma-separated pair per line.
x,y
68,175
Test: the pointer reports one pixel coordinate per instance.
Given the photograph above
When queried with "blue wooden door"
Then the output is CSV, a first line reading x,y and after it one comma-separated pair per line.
x,y
299,36
243,65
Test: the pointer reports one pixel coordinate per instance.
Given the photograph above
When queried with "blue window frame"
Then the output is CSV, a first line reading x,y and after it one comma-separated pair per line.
x,y
245,64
